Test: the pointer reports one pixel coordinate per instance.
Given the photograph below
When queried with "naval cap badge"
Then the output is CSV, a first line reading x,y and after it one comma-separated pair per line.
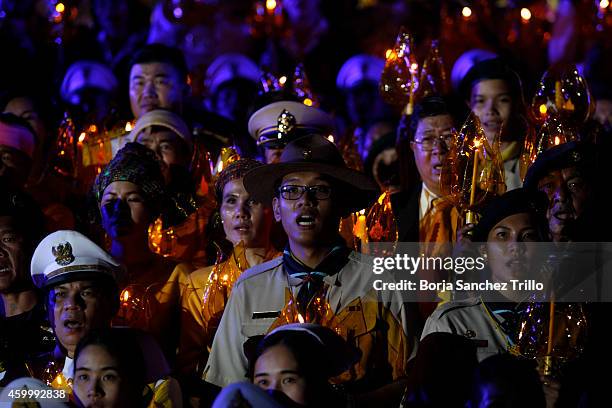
x,y
286,122
63,254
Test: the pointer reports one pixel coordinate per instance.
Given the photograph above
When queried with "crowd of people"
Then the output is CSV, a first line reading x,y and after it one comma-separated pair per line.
x,y
182,182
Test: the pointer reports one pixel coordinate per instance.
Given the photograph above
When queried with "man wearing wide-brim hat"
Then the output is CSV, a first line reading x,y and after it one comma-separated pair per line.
x,y
278,123
310,189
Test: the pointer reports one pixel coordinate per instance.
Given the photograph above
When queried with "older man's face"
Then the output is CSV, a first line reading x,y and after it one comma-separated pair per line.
x,y
76,308
568,193
429,162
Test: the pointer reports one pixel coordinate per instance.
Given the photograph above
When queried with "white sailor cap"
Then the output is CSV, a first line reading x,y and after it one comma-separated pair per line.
x,y
295,119
162,118
87,74
231,66
361,67
465,62
67,256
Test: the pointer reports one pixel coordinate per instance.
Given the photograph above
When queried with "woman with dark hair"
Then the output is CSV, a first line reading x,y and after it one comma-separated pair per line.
x,y
509,226
246,227
130,195
109,370
299,360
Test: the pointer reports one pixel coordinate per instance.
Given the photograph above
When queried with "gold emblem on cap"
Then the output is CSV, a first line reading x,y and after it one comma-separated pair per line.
x,y
63,254
286,123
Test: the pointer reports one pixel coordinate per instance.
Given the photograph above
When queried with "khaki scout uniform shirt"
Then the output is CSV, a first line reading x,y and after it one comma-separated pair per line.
x,y
470,318
376,322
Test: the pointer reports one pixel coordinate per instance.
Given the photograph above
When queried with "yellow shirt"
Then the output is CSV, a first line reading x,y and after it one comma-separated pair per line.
x,y
200,318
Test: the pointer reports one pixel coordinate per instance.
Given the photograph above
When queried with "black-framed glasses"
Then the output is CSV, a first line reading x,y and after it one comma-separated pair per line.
x,y
295,192
428,142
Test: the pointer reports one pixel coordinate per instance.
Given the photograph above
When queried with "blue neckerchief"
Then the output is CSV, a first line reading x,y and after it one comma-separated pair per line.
x,y
312,278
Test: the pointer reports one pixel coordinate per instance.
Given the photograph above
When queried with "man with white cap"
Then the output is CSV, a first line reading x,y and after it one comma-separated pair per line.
x,y
89,87
358,81
278,123
81,283
231,83
17,144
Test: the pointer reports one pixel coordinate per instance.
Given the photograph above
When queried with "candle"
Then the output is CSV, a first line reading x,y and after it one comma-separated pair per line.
x,y
559,101
551,327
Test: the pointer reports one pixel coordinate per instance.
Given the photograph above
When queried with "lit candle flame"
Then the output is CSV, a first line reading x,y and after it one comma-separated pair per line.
x,y
282,80
604,4
270,4
308,102
557,140
300,318
390,54
128,127
543,109
330,138
59,7
125,295
82,137
467,12
93,129
525,14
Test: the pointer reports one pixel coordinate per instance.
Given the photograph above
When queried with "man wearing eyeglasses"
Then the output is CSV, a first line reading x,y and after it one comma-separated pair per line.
x,y
318,279
430,133
422,213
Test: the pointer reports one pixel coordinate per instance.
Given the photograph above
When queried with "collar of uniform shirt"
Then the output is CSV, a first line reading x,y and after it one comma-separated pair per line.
x,y
425,201
330,265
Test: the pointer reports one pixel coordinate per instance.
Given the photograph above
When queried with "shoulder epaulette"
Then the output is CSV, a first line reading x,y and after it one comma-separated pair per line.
x,y
258,269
